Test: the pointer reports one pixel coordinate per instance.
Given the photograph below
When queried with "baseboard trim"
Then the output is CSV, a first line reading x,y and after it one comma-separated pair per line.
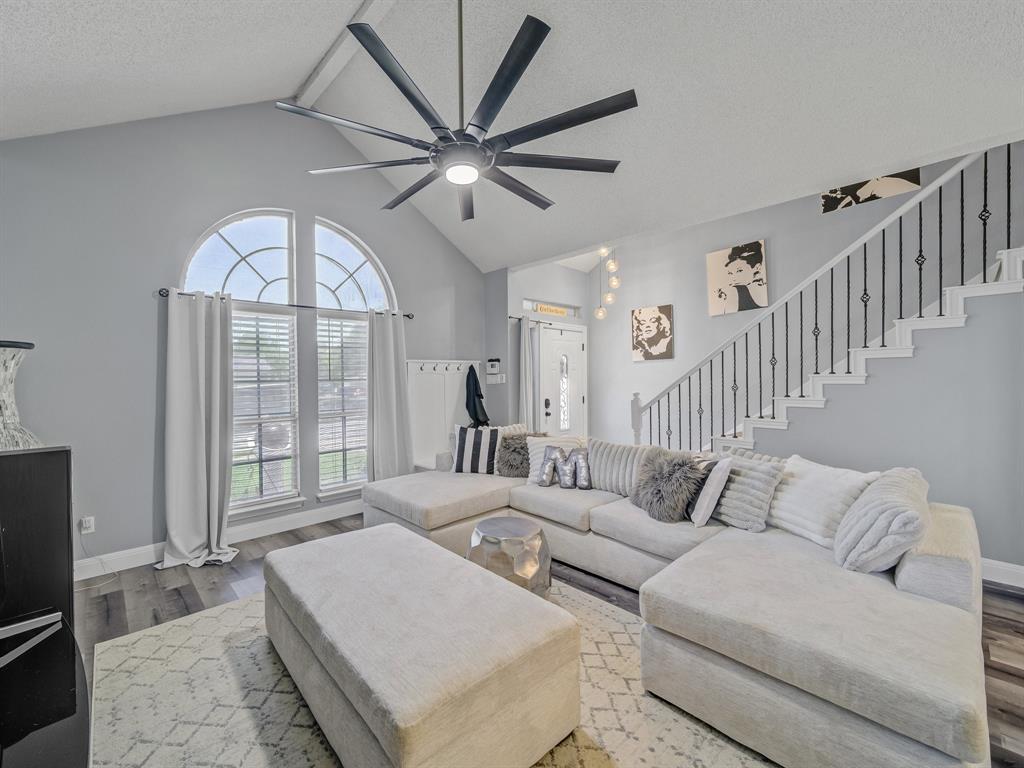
x,y
999,572
148,554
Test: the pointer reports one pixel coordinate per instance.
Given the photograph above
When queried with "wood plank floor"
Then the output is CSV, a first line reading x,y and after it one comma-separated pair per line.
x,y
114,605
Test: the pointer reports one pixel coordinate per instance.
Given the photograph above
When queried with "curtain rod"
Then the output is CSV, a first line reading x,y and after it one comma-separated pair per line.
x,y
164,293
529,320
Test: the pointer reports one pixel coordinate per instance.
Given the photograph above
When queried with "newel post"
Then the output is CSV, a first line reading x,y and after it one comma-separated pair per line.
x,y
636,417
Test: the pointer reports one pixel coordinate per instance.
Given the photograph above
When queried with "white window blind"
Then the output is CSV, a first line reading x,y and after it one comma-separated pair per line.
x,y
342,399
264,460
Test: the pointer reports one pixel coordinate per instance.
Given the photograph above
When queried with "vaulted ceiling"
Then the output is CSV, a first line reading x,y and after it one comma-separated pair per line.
x,y
742,104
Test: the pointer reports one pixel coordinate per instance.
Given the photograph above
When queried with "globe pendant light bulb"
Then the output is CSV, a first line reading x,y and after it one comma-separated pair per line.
x,y
611,265
614,282
600,313
461,173
608,298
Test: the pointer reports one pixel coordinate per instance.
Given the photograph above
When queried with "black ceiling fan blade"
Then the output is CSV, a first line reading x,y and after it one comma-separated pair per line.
x,y
365,166
386,60
466,201
517,187
559,162
570,119
432,176
524,47
342,122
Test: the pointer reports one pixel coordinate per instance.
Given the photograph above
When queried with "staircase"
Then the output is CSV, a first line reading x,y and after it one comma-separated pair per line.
x,y
913,271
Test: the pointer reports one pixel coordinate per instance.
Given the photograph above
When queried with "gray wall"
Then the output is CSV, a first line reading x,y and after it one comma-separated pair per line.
x,y
954,411
92,222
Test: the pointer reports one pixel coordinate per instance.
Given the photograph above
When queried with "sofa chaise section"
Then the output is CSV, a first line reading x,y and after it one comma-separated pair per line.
x,y
441,506
778,607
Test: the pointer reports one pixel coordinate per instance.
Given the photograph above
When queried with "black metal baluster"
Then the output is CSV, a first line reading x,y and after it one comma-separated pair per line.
x,y
832,320
901,268
865,297
848,314
689,411
941,312
746,374
816,331
659,422
800,343
785,372
711,401
679,416
920,260
984,215
1009,206
883,287
668,419
961,227
760,376
722,377
773,362
700,408
735,389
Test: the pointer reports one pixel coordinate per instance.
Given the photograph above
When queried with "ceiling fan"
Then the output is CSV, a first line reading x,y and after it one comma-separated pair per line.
x,y
463,155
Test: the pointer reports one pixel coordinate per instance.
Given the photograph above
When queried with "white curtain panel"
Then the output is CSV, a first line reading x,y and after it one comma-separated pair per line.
x,y
198,429
390,430
526,400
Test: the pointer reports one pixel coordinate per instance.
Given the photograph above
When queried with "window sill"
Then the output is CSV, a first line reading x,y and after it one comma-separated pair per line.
x,y
266,508
342,493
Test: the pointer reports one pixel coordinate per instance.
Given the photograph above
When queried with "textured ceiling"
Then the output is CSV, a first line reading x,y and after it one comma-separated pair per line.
x,y
68,64
742,104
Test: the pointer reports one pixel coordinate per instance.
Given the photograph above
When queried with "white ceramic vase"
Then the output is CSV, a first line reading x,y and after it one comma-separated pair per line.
x,y
13,436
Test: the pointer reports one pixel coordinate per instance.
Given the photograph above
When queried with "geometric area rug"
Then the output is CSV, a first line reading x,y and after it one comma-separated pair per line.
x,y
209,690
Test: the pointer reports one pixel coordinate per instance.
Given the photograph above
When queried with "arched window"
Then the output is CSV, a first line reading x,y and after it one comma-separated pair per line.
x,y
248,255
348,276
349,282
251,255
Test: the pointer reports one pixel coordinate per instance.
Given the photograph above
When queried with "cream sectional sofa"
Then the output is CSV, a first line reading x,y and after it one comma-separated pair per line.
x,y
761,635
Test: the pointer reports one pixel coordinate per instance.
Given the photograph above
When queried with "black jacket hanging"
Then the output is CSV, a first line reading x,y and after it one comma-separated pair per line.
x,y
475,400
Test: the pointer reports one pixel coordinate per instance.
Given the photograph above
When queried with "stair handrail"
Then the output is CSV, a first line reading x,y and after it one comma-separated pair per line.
x,y
892,218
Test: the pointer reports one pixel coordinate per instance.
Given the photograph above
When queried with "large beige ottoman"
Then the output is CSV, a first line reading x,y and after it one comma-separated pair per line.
x,y
409,655
441,506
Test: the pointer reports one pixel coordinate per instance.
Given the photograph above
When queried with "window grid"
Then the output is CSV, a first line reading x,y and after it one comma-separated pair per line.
x,y
563,394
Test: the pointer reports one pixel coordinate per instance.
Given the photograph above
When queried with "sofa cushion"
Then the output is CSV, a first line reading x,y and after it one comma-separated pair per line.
x,y
568,506
613,466
623,521
427,647
748,493
779,604
811,499
433,499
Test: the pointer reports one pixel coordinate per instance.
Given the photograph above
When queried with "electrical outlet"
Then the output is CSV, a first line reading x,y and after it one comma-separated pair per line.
x,y
87,525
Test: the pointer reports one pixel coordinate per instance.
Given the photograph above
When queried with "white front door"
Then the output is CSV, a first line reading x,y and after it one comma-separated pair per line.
x,y
562,408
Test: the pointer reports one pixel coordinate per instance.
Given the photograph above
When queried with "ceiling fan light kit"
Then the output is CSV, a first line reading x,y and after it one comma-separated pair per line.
x,y
463,155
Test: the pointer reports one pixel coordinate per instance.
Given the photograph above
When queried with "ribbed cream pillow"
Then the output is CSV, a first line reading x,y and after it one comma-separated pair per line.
x,y
812,499
536,446
748,492
614,466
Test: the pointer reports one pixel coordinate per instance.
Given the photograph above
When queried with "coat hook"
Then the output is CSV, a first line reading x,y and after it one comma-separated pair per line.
x,y
421,367
435,367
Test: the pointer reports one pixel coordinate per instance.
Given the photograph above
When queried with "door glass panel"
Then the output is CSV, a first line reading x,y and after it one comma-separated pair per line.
x,y
563,394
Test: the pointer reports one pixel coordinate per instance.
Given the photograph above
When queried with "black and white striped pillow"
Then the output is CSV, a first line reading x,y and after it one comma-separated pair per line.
x,y
476,450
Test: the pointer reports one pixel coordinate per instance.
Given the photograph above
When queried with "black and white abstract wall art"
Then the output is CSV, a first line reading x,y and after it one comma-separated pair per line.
x,y
652,333
737,279
872,189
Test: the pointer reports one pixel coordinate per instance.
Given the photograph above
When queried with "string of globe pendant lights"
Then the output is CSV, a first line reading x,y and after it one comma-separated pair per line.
x,y
609,265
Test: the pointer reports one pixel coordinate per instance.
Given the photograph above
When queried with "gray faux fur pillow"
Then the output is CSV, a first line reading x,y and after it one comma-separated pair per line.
x,y
513,457
666,483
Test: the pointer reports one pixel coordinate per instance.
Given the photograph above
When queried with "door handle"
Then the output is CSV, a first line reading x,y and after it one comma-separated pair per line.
x,y
547,406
